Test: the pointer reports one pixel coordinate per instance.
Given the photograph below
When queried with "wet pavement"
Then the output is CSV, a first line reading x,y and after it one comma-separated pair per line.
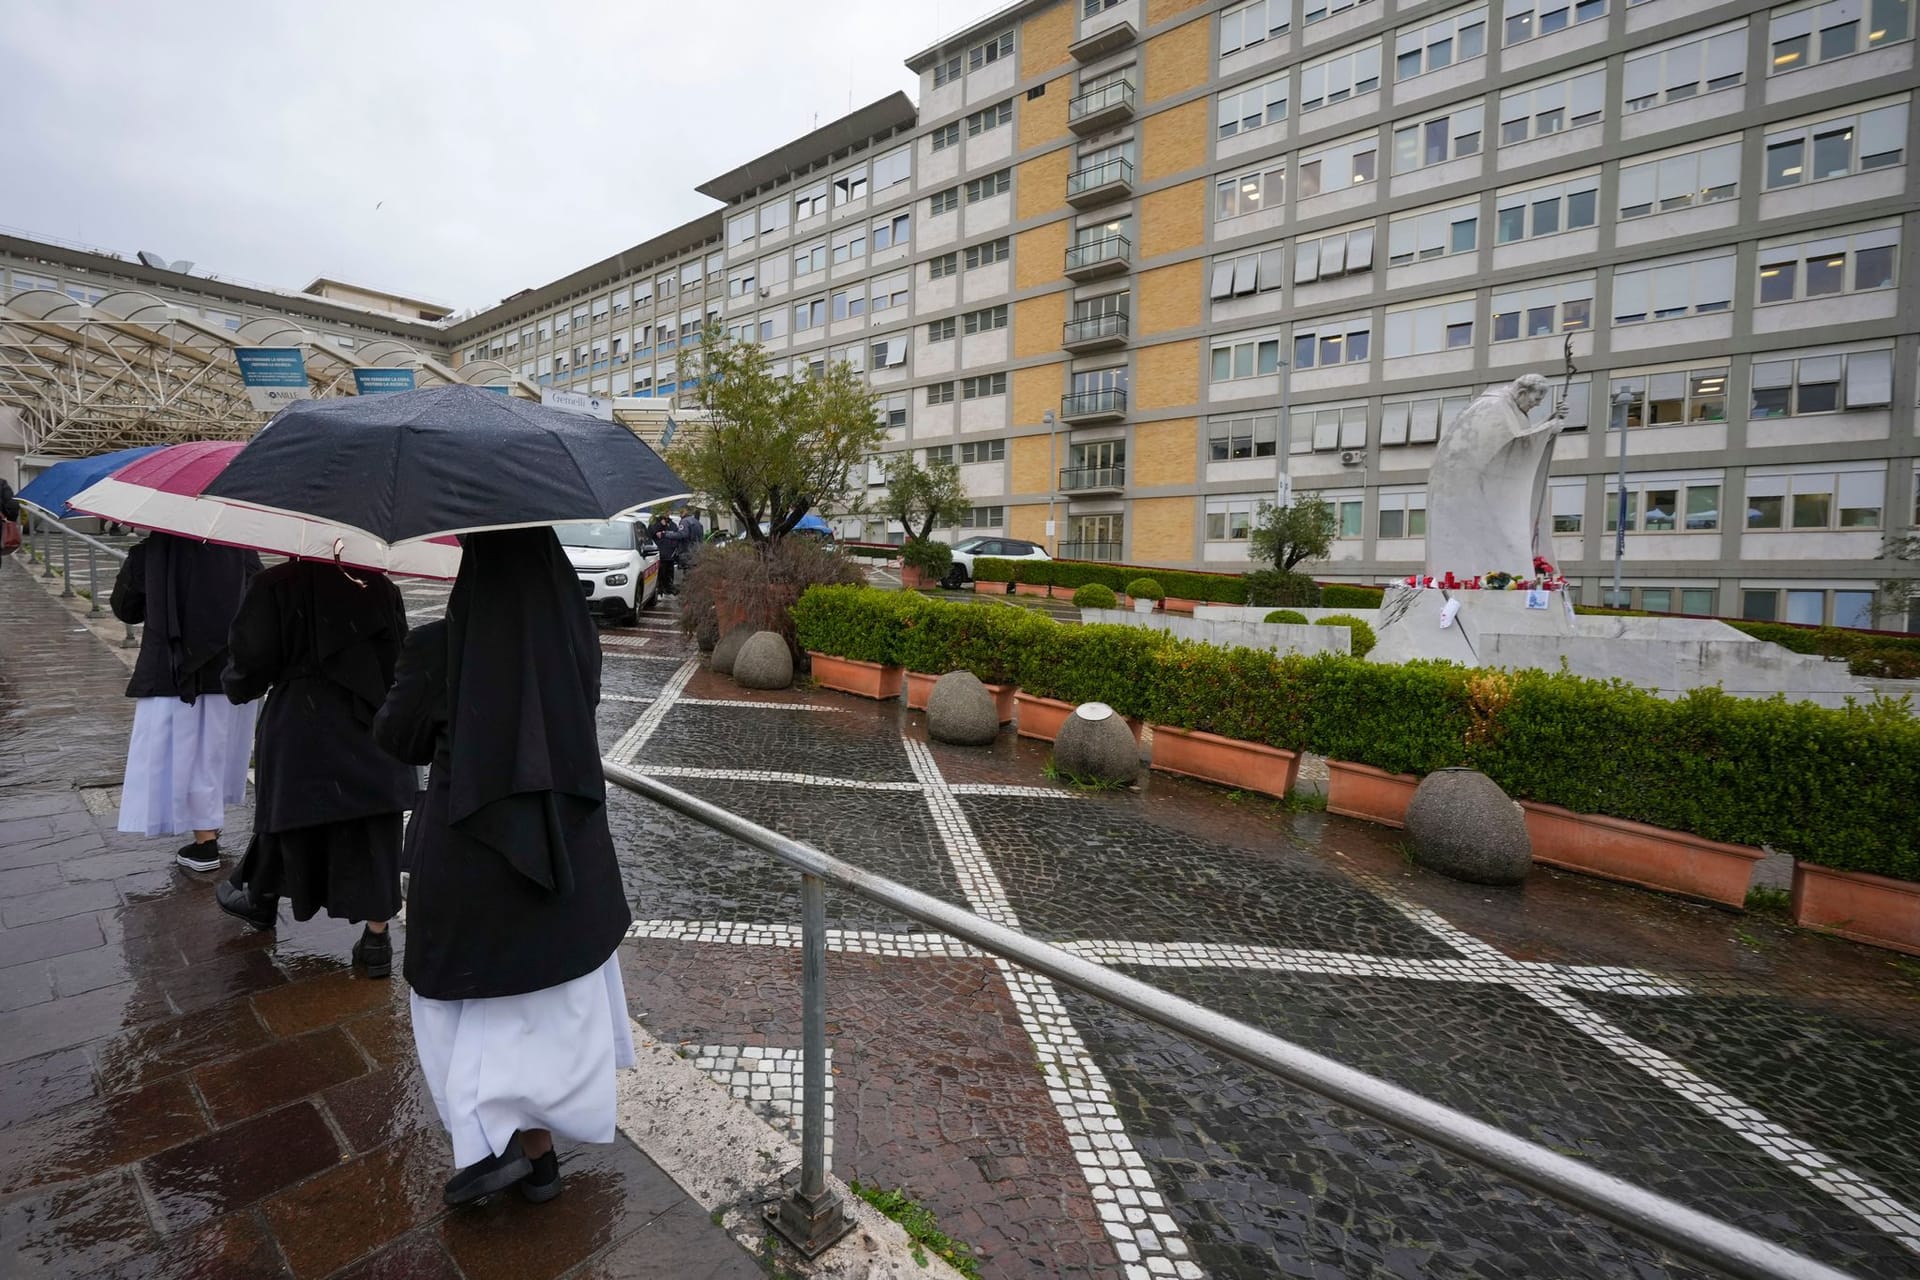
x,y
178,1096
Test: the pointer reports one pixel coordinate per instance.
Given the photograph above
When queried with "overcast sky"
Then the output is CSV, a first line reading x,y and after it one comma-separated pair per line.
x,y
455,152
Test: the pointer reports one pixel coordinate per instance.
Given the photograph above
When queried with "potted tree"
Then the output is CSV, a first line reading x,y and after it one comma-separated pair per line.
x,y
1147,594
923,498
924,562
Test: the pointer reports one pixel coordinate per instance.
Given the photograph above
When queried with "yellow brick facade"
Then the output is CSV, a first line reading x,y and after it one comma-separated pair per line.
x,y
1029,522
1044,39
1163,453
1169,298
1162,529
1173,219
1031,472
1167,376
1039,255
1043,184
1179,61
1037,323
1044,119
1035,391
1158,11
1174,141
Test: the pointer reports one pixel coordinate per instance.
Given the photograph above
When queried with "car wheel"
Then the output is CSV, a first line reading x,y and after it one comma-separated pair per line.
x,y
956,577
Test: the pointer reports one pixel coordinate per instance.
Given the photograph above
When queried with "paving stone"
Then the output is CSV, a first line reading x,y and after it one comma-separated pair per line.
x,y
234,1167
236,1247
681,1243
382,1106
81,1142
417,1256
52,938
40,1086
276,1074
323,1002
55,904
25,984
384,1035
177,1044
357,1208
76,1231
59,1024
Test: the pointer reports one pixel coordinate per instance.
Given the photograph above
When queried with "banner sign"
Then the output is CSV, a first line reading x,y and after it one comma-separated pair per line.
x,y
275,376
574,402
373,382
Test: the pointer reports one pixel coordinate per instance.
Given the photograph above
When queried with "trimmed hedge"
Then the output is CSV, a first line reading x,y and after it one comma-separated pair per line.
x,y
987,640
1346,595
864,624
871,550
1037,573
1146,589
1095,596
1111,664
1292,617
993,569
1271,587
1249,694
1360,636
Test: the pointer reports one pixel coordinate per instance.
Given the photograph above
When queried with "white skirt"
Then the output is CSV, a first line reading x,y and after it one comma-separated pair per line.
x,y
186,762
543,1060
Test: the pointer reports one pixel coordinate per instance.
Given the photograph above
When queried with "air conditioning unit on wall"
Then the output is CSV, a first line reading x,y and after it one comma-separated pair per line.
x,y
1353,457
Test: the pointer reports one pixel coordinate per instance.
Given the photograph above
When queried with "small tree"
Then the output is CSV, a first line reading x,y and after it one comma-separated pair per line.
x,y
1899,592
1286,536
925,498
775,448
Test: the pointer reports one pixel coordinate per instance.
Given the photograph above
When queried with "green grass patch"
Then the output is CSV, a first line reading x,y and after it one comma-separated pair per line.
x,y
922,1228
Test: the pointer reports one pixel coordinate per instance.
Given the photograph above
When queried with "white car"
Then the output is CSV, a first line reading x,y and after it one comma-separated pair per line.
x,y
989,547
617,563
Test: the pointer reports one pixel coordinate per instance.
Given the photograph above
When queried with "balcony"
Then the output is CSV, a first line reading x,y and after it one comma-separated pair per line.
x,y
1086,549
1093,479
1110,255
1092,48
1103,405
1101,109
1099,184
1098,332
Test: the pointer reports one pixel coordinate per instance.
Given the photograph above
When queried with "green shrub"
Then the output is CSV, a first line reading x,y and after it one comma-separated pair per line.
x,y
1110,664
1407,718
986,640
1035,573
859,623
1146,589
1827,642
993,569
1095,595
1346,595
1248,694
1272,587
1291,616
1362,635
1885,662
928,556
871,550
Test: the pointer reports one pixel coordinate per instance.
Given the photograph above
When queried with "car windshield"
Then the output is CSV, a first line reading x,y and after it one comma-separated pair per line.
x,y
969,544
614,535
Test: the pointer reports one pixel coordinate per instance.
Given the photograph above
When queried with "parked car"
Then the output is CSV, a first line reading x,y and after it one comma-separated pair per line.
x,y
967,549
617,563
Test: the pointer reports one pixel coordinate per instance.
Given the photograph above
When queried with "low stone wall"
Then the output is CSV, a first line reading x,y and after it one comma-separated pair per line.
x,y
1244,613
1232,633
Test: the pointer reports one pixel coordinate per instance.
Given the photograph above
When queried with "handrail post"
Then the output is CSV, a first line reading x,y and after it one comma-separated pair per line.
x,y
66,567
811,1217
93,583
48,554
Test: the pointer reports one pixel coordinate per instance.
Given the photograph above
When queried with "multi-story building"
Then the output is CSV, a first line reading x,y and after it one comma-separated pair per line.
x,y
1126,255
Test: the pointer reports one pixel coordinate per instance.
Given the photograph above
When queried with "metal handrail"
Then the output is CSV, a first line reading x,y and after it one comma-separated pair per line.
x,y
1099,400
1686,1231
1117,169
1091,252
31,532
1112,476
1097,100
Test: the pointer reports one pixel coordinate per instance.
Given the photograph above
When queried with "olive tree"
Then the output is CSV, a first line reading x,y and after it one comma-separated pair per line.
x,y
1286,536
925,498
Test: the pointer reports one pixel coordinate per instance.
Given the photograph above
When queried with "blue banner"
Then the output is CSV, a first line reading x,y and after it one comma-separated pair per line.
x,y
274,376
373,382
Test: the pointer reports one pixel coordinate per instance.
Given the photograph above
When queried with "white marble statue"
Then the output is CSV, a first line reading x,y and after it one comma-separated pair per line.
x,y
1486,490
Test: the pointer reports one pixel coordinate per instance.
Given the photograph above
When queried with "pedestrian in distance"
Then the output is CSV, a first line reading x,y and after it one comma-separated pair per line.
x,y
666,537
692,532
187,758
320,643
515,906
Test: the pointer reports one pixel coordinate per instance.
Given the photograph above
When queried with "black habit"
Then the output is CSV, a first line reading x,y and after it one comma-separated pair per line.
x,y
514,886
328,806
186,592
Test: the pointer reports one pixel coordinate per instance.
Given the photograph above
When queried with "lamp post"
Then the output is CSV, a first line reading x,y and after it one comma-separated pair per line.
x,y
1621,399
1053,473
1283,477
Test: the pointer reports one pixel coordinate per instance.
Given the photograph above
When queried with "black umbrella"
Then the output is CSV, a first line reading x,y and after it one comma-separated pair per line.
x,y
453,459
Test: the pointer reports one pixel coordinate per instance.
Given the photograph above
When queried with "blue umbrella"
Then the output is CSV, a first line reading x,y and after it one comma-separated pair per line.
x,y
59,482
810,522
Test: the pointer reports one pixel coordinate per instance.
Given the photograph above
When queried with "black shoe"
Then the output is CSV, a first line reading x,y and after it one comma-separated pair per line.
x,y
543,1184
484,1177
238,900
200,857
375,951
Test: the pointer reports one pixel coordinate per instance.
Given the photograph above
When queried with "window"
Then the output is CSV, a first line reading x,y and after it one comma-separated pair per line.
x,y
642,296
1796,385
1231,519
942,266
985,255
1351,512
849,245
1687,70
1433,233
947,135
1246,25
773,324
740,283
1440,43
773,217
849,304
991,384
941,330
1342,76
946,72
1417,420
893,411
889,353
1438,139
984,517
665,287
983,451
1673,288
580,313
1541,110
810,258
1318,10
1544,211
939,453
1816,498
1673,396
1434,326
993,184
1333,255
985,320
772,270
943,201
1000,46
1243,110
892,169
1657,505
1680,181
888,292
940,393
1569,507
1836,147
1543,310
1247,358
989,118
1832,265
1256,271
561,324
1821,32
740,229
1402,515
1264,188
1529,18
891,232
1338,168
811,203
810,314
600,308
1248,436
1697,601
1332,342
689,277
1323,427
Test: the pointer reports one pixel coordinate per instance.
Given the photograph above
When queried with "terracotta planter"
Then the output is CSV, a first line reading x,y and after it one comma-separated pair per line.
x,y
850,675
920,688
1876,910
1362,791
1042,717
1032,589
1173,604
911,578
1633,852
1246,766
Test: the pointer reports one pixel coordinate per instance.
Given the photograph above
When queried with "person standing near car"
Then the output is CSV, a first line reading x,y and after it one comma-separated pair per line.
x,y
667,538
692,532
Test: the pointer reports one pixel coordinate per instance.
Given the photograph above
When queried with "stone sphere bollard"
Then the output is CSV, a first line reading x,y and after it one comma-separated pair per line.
x,y
1462,825
961,711
764,662
1095,745
727,649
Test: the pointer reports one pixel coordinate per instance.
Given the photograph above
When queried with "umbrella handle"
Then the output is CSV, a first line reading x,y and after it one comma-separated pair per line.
x,y
339,546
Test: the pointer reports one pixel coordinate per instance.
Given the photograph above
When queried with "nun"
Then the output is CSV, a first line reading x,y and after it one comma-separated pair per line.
x,y
320,643
187,759
515,906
